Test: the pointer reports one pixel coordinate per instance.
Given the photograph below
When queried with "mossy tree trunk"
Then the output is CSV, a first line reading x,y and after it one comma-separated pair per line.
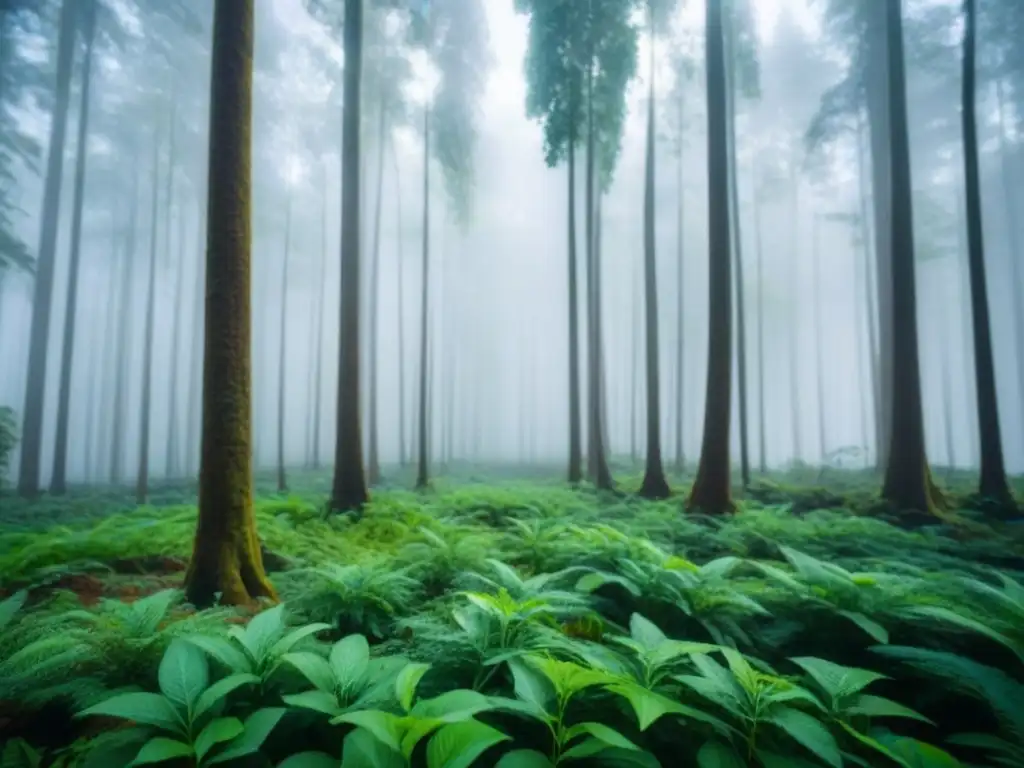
x,y
58,482
908,485
654,485
30,469
992,483
711,492
349,490
226,558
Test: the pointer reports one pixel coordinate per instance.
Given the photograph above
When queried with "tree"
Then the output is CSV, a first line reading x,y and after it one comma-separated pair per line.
x,y
908,485
349,490
710,492
282,479
226,558
992,483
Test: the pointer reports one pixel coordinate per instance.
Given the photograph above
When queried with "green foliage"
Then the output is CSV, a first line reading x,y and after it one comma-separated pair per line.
x,y
8,441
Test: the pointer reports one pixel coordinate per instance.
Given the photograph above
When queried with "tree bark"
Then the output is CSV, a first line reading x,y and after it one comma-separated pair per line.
x,y
226,558
58,482
711,492
349,486
282,478
423,437
29,470
992,483
195,374
374,458
654,485
908,485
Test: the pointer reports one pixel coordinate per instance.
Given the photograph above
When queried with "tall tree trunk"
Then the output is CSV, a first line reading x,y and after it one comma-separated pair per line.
x,y
634,368
349,487
282,479
423,437
403,456
966,329
711,493
126,324
58,482
795,402
173,427
861,294
321,311
575,426
869,287
762,433
195,373
681,306
142,478
109,358
819,357
908,484
226,558
654,485
374,458
992,483
29,470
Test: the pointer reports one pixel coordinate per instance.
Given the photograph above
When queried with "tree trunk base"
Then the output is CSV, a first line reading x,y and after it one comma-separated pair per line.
x,y
710,496
232,569
655,486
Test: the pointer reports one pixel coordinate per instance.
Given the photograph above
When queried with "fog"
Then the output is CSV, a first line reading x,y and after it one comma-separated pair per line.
x,y
498,334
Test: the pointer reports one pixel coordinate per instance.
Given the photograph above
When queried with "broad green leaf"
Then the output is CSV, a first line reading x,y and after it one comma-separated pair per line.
x,y
318,701
647,705
144,708
608,736
918,754
809,732
309,760
290,640
876,706
263,630
183,674
836,680
594,581
879,633
531,686
452,706
385,727
966,622
10,606
216,692
217,732
18,753
458,745
645,632
160,749
584,749
256,730
416,729
364,750
715,754
406,682
872,743
224,651
349,659
614,757
524,758
314,668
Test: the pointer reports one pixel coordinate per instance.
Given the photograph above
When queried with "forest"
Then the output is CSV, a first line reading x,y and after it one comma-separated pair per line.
x,y
512,383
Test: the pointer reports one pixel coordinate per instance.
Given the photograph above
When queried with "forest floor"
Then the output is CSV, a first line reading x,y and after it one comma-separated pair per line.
x,y
559,625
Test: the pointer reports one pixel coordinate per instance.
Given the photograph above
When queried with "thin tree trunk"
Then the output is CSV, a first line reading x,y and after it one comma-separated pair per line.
x,y
58,482
29,470
173,427
908,485
680,311
321,311
403,456
795,403
966,329
634,368
992,483
711,492
226,559
282,478
762,434
575,426
374,458
142,478
195,373
870,290
819,356
126,324
109,358
349,487
422,471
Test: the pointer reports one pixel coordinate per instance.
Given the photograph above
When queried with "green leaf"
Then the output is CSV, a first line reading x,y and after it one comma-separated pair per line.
x,y
918,754
256,730
524,758
836,680
406,682
608,736
160,749
645,632
224,651
458,745
594,581
531,686
143,708
217,732
876,706
314,668
318,701
810,733
290,640
584,749
384,726
364,750
10,606
715,754
309,760
453,706
216,692
879,633
647,705
263,630
349,659
183,674
626,758
18,753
